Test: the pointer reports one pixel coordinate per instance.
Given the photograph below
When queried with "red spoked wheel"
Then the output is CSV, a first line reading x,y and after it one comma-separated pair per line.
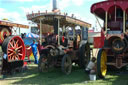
x,y
14,47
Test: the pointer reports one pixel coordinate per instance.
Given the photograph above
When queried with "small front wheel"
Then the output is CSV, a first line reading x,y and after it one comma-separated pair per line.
x,y
43,63
66,65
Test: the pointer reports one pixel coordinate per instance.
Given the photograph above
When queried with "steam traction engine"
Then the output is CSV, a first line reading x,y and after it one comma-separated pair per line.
x,y
114,35
11,45
59,50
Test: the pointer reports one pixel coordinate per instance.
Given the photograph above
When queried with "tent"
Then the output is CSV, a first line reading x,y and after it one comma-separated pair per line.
x,y
29,37
32,35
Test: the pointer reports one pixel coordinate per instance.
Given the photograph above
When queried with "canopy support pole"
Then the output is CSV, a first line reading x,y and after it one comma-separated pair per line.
x,y
98,21
124,21
19,30
106,21
74,32
40,32
58,32
115,13
63,30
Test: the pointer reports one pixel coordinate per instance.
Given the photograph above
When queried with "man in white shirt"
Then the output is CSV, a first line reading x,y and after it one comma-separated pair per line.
x,y
91,66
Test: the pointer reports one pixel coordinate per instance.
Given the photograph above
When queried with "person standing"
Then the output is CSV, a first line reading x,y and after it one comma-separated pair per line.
x,y
34,47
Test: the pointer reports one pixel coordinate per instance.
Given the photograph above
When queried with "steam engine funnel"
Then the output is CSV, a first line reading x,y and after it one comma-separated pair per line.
x,y
54,5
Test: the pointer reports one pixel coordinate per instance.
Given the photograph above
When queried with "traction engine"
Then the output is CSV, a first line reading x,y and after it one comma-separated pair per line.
x,y
114,35
13,48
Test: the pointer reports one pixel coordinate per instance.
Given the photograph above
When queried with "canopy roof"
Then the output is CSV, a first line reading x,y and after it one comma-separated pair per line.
x,y
5,23
100,8
48,18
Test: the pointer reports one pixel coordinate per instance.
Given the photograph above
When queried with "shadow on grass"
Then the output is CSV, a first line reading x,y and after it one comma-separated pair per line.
x,y
119,77
54,77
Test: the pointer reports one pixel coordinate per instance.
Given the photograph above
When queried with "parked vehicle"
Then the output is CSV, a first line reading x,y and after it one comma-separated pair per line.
x,y
113,42
58,50
13,48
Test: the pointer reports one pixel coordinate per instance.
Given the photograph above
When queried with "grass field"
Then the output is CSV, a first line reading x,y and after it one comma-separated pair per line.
x,y
56,77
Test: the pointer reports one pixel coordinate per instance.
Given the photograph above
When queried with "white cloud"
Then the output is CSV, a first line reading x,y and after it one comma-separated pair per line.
x,y
25,0
78,2
64,4
13,16
36,8
18,0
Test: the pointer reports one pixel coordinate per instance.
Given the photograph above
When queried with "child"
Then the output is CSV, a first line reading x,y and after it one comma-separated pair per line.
x,y
91,67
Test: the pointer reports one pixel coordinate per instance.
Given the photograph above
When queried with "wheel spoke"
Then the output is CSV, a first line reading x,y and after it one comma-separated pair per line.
x,y
9,49
11,45
20,54
14,57
11,57
17,58
16,45
10,54
19,47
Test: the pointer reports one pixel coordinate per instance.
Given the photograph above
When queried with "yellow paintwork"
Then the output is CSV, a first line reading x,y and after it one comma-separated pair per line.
x,y
103,63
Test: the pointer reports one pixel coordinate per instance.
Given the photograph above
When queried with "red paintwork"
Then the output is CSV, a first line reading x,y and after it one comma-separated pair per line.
x,y
16,43
99,41
100,8
109,6
28,51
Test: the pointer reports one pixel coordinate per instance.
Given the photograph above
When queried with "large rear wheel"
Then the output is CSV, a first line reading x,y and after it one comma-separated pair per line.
x,y
14,47
66,65
101,63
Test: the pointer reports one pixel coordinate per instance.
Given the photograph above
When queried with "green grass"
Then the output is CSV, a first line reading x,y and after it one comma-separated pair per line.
x,y
56,77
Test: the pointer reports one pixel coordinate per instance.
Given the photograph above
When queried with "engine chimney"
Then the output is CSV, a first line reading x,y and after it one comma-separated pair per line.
x,y
54,5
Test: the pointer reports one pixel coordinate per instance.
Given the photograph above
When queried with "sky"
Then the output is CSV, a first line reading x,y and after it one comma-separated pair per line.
x,y
16,10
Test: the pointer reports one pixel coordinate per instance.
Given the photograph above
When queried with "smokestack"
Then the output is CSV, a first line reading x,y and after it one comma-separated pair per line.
x,y
54,5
